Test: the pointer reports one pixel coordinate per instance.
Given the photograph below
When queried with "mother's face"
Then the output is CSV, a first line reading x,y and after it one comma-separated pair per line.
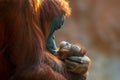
x,y
55,25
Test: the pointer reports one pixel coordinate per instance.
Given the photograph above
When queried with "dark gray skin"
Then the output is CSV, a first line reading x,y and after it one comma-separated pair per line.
x,y
55,25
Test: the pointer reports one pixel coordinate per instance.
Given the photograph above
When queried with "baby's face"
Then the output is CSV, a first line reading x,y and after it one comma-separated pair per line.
x,y
65,45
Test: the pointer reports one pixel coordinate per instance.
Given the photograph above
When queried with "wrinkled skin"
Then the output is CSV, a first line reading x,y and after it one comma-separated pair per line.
x,y
55,25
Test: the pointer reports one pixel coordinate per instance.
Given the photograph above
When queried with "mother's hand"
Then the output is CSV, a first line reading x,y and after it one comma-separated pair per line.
x,y
77,64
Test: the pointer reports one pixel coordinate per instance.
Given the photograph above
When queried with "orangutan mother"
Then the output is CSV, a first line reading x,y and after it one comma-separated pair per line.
x,y
26,27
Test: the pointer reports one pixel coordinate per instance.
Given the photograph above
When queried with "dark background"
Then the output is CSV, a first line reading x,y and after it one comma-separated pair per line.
x,y
95,24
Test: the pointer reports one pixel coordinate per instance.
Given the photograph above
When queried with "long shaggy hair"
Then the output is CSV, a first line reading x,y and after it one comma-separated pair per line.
x,y
23,30
50,9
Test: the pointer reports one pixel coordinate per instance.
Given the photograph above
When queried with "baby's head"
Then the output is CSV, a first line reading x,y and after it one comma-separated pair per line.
x,y
65,45
66,50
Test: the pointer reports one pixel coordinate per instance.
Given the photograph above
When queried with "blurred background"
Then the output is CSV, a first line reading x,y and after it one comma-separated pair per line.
x,y
95,24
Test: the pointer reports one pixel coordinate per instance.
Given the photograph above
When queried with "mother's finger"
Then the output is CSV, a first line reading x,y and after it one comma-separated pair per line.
x,y
79,59
70,64
76,67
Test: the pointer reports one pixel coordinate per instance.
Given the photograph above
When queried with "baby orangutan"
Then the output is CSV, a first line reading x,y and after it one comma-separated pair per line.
x,y
66,50
74,57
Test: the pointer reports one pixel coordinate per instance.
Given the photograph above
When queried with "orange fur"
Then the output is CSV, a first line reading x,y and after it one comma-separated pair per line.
x,y
23,30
